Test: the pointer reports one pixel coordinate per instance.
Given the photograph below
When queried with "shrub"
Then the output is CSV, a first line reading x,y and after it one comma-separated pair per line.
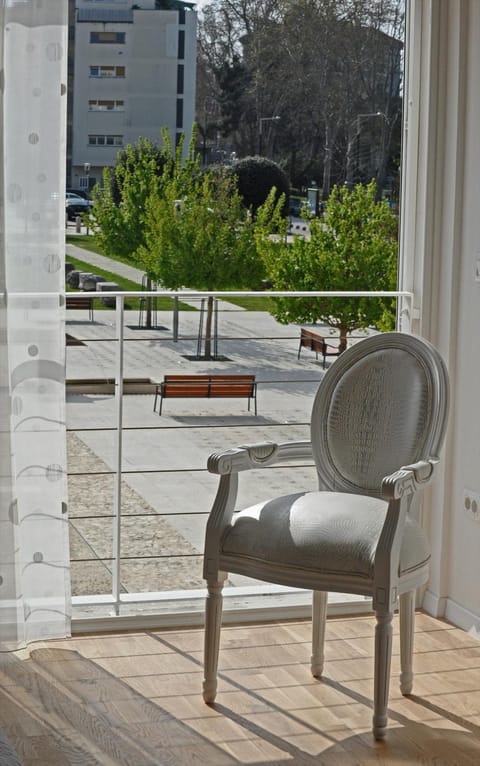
x,y
256,176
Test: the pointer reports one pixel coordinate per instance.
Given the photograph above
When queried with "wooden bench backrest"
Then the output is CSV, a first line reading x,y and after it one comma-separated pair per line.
x,y
312,341
208,385
220,377
185,388
78,301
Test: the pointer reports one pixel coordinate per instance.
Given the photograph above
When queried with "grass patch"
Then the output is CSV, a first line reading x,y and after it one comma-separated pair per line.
x,y
253,304
87,242
163,304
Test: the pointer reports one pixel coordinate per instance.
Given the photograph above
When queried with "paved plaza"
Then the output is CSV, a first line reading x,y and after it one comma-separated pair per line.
x,y
166,490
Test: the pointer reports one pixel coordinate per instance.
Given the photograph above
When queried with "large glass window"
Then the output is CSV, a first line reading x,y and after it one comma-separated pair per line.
x,y
105,105
181,44
108,37
179,122
345,118
180,78
107,71
105,140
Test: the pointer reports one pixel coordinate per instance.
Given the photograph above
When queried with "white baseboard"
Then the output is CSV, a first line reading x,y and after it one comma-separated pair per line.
x,y
434,604
462,617
455,613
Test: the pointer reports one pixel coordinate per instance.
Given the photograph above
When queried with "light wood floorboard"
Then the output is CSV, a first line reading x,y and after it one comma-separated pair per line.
x,y
134,699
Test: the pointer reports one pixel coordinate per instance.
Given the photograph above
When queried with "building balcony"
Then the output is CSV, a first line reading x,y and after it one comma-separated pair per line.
x,y
139,490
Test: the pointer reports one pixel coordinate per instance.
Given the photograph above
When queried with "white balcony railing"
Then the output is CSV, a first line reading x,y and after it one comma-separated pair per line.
x,y
163,460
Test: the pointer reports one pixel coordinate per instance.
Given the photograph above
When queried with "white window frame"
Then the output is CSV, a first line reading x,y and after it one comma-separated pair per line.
x,y
105,139
107,70
117,38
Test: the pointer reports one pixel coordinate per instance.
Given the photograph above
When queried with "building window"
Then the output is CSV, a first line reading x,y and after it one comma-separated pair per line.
x,y
179,113
181,44
117,38
107,71
180,78
102,140
181,16
103,105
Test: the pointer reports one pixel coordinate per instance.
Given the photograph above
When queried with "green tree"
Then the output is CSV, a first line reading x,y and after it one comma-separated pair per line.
x,y
119,210
119,207
355,249
199,235
318,64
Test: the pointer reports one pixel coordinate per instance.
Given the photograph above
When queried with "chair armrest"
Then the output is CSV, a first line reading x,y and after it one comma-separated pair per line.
x,y
261,455
229,464
409,479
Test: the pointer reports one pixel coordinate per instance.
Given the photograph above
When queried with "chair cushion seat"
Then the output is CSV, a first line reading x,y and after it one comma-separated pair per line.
x,y
326,532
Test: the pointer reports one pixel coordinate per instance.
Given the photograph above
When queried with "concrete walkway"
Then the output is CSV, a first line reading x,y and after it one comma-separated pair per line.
x,y
125,270
107,264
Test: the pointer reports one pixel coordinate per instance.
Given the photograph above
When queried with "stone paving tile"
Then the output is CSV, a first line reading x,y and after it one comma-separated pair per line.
x,y
149,535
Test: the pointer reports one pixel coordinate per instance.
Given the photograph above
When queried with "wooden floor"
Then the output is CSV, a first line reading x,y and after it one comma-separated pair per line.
x,y
134,699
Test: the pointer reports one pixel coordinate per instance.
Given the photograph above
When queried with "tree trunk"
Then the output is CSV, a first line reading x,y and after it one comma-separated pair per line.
x,y
343,339
148,305
208,328
350,161
327,165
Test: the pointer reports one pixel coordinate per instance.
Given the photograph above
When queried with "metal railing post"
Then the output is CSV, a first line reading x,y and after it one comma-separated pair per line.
x,y
117,499
175,319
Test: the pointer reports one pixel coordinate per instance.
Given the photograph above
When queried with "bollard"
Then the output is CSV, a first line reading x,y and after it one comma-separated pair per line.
x,y
78,224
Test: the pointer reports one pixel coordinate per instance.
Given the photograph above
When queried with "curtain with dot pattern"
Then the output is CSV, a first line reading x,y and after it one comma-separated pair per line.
x,y
34,551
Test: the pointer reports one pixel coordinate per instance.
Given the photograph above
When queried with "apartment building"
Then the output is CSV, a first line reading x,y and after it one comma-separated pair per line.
x,y
131,73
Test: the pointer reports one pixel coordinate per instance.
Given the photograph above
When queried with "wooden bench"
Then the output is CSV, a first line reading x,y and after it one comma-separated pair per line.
x,y
206,387
80,302
317,343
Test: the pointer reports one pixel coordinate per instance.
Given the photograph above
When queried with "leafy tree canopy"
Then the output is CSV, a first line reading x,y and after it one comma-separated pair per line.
x,y
354,249
318,64
198,235
120,206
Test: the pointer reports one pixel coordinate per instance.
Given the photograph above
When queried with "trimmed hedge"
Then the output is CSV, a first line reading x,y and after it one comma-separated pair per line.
x,y
255,177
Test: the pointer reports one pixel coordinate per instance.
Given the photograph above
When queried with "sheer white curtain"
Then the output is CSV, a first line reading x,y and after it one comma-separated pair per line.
x,y
34,553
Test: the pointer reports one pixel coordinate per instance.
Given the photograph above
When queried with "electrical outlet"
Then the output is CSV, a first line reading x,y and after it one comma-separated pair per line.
x,y
471,504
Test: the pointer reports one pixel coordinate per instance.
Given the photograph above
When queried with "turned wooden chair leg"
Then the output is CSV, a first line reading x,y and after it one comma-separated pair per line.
x,y
319,618
383,655
407,628
213,621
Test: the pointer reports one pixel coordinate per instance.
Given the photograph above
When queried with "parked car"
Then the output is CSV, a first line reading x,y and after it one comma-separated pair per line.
x,y
76,205
80,193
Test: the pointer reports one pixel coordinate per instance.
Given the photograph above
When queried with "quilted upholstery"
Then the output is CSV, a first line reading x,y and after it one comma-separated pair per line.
x,y
327,532
367,437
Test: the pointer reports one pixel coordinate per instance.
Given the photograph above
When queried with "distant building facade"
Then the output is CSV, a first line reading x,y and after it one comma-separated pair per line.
x,y
131,73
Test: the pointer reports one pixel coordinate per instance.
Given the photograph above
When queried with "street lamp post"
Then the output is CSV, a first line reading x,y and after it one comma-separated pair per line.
x,y
86,167
275,118
353,138
210,108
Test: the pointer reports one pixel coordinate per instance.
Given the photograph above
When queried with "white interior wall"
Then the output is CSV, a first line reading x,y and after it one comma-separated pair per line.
x,y
440,245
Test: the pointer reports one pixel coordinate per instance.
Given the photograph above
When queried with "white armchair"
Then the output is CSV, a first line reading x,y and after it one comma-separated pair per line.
x,y
377,425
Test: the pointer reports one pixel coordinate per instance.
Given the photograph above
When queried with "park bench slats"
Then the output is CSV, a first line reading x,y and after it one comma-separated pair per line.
x,y
80,302
206,387
317,343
